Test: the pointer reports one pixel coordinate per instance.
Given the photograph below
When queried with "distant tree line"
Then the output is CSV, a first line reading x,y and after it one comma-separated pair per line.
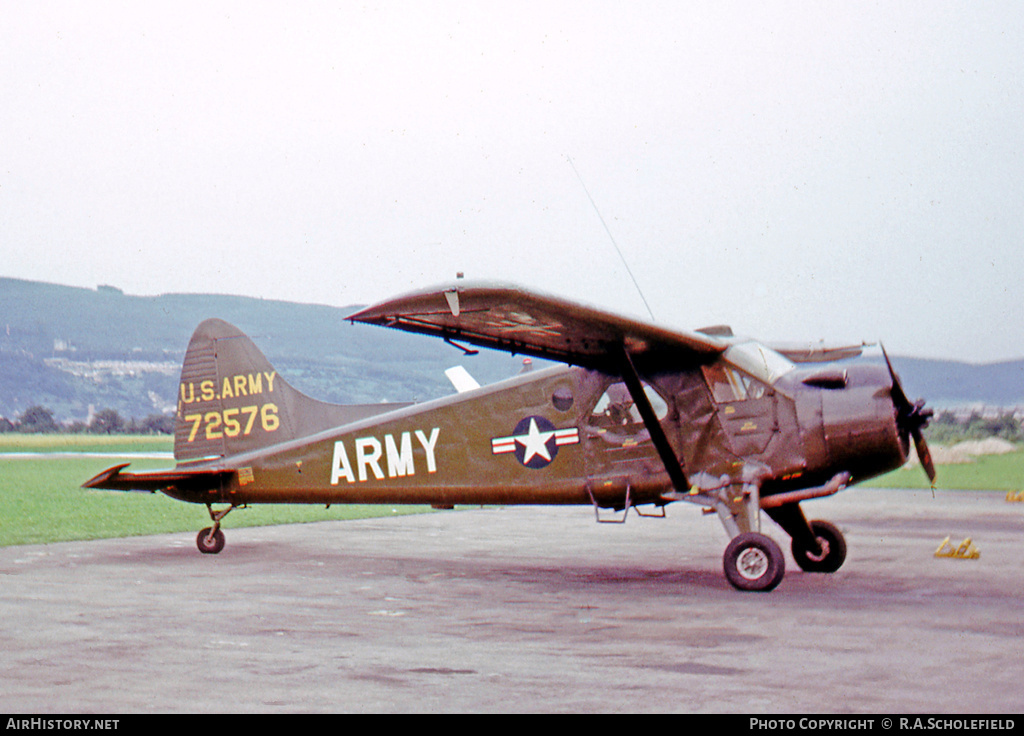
x,y
39,420
948,428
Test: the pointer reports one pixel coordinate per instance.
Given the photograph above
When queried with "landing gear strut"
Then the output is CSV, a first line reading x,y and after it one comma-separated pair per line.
x,y
210,540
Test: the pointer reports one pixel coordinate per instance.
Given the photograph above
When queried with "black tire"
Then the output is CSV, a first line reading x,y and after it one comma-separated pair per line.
x,y
210,546
833,553
754,562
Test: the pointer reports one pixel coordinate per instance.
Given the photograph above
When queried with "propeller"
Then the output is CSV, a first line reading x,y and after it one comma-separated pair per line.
x,y
911,419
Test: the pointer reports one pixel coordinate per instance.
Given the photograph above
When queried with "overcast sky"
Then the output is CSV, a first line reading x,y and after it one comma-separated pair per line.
x,y
805,171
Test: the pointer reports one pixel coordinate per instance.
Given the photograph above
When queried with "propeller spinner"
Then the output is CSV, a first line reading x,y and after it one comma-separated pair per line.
x,y
911,419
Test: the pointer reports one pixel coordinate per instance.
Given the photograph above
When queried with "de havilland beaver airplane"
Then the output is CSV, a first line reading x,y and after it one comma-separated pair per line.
x,y
633,415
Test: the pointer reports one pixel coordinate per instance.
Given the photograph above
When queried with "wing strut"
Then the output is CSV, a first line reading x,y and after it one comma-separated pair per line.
x,y
672,464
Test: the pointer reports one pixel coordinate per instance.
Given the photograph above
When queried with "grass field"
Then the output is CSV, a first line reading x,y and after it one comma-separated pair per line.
x,y
63,443
41,499
987,472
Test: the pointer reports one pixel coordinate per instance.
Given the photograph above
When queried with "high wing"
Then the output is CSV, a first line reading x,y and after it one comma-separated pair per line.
x,y
506,317
509,318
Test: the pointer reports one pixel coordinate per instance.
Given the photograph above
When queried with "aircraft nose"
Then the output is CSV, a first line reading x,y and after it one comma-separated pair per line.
x,y
859,422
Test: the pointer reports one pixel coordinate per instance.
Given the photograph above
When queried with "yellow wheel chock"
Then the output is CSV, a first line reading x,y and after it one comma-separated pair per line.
x,y
966,550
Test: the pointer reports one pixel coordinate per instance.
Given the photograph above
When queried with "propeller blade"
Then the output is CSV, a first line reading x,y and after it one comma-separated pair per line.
x,y
925,456
898,394
911,419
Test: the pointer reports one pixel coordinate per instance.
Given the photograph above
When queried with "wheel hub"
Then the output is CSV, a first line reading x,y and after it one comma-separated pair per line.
x,y
823,543
752,563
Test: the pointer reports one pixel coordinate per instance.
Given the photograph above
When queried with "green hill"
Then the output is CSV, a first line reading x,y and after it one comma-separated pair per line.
x,y
954,382
69,349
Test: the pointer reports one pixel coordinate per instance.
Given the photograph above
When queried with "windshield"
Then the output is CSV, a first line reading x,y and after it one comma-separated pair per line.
x,y
759,361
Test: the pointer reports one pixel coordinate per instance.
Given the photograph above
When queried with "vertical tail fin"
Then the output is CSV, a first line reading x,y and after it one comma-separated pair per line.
x,y
231,399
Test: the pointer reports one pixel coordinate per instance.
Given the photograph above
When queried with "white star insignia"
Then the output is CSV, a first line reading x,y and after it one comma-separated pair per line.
x,y
535,443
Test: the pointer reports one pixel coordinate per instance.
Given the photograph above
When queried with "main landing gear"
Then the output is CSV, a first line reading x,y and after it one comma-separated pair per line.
x,y
210,540
755,562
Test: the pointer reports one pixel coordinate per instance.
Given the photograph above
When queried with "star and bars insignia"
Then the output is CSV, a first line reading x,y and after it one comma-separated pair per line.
x,y
535,441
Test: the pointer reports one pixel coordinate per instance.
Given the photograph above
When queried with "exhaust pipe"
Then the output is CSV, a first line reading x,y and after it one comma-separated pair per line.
x,y
835,485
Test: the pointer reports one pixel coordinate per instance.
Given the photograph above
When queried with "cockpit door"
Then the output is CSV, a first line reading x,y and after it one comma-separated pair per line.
x,y
618,443
746,407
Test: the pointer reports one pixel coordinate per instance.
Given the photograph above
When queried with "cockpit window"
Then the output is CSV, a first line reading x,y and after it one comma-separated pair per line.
x,y
728,384
759,361
616,407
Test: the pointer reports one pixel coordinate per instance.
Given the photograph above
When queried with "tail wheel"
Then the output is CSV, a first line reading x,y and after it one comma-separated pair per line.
x,y
210,541
754,562
833,549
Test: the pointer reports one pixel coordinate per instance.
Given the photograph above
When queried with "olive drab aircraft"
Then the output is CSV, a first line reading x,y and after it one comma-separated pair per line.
x,y
631,415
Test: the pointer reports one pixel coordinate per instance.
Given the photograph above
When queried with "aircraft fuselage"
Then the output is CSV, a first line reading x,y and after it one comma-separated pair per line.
x,y
567,435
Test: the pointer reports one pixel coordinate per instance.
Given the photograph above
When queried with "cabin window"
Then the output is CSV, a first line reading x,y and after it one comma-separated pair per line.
x,y
562,399
616,407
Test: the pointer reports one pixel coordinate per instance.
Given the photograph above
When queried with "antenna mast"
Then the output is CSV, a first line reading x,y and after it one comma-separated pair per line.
x,y
611,237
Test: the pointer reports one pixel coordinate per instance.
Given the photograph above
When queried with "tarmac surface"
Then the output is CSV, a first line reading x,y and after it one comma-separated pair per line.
x,y
524,610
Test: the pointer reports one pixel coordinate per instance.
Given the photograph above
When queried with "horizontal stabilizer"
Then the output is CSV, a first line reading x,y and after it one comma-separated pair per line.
x,y
112,479
461,379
